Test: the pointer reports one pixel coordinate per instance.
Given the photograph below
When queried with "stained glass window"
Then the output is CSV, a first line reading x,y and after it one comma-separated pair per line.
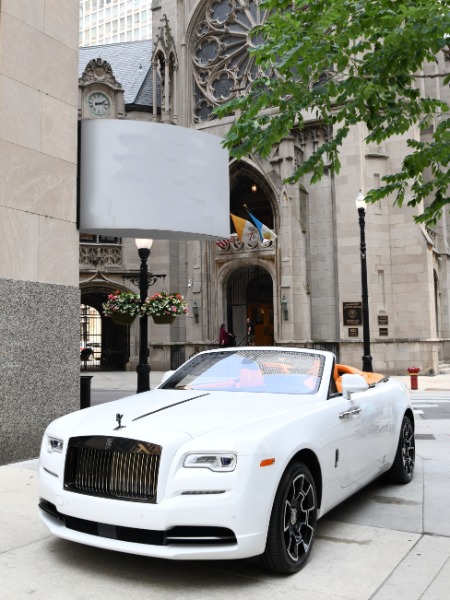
x,y
222,66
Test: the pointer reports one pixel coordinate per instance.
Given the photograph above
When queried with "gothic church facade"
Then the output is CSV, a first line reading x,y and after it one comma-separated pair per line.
x,y
304,288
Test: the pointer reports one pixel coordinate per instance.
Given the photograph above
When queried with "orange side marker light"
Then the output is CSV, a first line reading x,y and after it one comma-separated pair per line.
x,y
267,462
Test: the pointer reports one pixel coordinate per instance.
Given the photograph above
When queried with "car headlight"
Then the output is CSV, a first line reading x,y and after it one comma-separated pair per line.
x,y
54,444
214,462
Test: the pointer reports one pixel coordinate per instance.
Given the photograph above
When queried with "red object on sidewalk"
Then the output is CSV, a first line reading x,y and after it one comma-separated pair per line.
x,y
413,373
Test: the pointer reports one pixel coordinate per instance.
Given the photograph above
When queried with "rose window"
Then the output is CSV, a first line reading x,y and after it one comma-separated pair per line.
x,y
222,66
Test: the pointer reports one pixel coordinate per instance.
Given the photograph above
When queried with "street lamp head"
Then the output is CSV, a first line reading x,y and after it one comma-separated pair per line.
x,y
143,243
360,201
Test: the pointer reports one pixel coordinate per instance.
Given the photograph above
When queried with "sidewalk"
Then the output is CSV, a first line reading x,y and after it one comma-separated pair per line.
x,y
119,380
385,542
426,382
107,386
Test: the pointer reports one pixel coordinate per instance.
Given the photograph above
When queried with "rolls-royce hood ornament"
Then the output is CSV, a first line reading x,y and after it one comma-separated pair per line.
x,y
119,422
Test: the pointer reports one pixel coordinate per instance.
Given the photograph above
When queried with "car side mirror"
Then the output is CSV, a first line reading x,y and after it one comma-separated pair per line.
x,y
166,376
353,383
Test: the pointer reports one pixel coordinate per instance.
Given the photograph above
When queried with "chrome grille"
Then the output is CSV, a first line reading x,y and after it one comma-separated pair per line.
x,y
112,467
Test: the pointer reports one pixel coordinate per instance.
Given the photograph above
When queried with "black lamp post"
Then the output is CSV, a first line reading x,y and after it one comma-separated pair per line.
x,y
144,281
367,359
143,368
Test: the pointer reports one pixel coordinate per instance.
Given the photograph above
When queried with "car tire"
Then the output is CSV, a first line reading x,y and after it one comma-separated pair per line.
x,y
292,525
402,470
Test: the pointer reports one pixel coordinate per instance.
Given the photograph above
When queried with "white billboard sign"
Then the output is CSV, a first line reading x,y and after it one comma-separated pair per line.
x,y
141,179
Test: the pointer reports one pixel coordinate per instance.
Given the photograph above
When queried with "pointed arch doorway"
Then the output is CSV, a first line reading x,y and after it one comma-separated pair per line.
x,y
250,294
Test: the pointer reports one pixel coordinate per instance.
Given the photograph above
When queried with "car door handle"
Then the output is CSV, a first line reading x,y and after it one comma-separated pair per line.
x,y
348,414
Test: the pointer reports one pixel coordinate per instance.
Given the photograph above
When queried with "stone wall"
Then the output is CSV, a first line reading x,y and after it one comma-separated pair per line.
x,y
394,357
39,294
39,357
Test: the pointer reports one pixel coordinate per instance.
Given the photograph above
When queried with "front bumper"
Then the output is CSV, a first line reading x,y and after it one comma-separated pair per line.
x,y
206,526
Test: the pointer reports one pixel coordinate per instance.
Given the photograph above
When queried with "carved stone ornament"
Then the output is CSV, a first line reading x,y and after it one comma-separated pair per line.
x,y
99,71
234,246
314,135
98,256
222,66
164,38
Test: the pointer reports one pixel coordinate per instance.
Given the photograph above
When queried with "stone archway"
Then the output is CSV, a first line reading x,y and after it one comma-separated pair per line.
x,y
113,349
249,187
249,293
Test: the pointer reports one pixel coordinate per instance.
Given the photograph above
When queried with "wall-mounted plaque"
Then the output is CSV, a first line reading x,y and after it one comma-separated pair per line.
x,y
353,332
383,331
352,312
383,320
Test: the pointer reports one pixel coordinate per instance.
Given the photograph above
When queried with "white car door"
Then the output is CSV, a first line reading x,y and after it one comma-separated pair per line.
x,y
367,418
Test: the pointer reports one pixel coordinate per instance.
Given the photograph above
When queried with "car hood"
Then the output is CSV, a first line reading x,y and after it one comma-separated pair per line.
x,y
163,415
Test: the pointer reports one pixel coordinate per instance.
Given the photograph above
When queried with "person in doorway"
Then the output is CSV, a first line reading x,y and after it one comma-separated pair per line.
x,y
231,338
223,336
250,332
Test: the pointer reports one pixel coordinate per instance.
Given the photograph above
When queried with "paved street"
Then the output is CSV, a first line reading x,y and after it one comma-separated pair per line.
x,y
386,543
432,404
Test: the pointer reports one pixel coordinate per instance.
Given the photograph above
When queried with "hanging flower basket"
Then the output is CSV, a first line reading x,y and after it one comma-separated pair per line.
x,y
122,307
163,319
122,318
163,307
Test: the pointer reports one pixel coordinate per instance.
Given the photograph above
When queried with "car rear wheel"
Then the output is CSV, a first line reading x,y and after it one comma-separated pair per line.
x,y
292,524
402,470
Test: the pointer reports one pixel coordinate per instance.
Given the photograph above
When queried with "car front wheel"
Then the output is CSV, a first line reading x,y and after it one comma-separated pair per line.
x,y
292,524
402,470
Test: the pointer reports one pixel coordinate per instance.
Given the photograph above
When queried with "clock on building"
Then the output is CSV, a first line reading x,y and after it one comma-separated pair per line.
x,y
99,104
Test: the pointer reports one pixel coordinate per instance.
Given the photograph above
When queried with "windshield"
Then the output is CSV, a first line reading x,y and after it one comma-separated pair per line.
x,y
272,371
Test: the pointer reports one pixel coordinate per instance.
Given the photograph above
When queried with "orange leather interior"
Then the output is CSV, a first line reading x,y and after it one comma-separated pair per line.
x,y
339,370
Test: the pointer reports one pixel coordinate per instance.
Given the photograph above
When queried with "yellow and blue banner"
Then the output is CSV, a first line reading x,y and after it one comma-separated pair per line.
x,y
265,234
245,230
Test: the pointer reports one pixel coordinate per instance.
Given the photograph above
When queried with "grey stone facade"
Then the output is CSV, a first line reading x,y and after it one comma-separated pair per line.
x,y
315,263
39,290
40,362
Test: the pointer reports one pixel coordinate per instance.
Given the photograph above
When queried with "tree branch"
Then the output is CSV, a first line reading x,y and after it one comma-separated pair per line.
x,y
431,75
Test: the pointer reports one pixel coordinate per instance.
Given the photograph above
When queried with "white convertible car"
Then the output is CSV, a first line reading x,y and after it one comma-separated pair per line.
x,y
236,454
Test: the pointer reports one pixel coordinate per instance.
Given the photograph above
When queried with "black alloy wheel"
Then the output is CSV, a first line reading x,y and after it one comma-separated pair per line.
x,y
292,524
402,470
